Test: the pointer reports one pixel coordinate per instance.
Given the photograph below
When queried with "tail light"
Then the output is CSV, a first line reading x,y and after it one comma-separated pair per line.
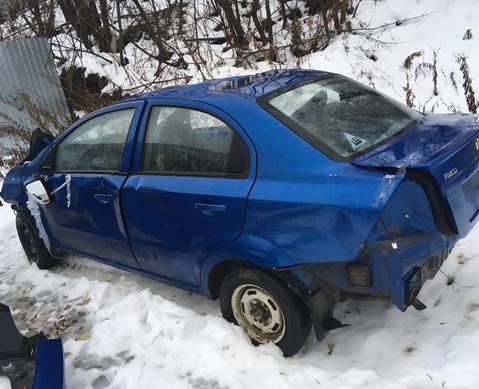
x,y
357,275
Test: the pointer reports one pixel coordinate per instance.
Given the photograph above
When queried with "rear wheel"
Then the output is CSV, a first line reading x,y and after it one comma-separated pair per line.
x,y
32,244
267,310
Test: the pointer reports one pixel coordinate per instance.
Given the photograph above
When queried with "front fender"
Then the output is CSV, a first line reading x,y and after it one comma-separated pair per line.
x,y
13,191
12,188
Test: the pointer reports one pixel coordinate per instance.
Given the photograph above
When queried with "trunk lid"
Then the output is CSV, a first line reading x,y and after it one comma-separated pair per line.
x,y
446,149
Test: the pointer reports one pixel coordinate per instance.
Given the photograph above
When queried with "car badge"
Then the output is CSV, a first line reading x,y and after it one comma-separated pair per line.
x,y
451,173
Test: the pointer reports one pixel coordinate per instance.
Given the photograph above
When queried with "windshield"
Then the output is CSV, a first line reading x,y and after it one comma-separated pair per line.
x,y
341,114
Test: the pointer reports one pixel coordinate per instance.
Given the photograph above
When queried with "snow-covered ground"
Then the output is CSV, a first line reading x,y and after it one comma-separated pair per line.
x,y
121,330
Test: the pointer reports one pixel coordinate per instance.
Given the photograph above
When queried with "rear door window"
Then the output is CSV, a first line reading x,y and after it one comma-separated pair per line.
x,y
191,142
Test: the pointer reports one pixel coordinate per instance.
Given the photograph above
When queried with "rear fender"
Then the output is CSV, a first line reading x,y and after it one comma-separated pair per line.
x,y
404,239
299,232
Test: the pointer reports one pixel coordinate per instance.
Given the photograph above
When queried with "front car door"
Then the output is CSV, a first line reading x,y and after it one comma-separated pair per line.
x,y
85,172
186,196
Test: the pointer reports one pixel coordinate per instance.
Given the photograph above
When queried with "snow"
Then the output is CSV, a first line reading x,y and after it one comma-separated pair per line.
x,y
441,29
33,206
5,383
388,184
121,330
67,182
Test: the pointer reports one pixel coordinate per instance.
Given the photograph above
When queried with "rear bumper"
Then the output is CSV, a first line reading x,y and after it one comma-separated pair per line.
x,y
410,266
391,270
420,274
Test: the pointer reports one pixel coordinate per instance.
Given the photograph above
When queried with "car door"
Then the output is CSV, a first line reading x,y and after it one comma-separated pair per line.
x,y
84,173
187,192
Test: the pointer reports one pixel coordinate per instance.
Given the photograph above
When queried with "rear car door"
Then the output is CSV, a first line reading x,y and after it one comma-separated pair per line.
x,y
84,172
186,196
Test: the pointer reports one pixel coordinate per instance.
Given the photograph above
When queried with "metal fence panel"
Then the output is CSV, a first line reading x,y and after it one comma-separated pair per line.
x,y
27,69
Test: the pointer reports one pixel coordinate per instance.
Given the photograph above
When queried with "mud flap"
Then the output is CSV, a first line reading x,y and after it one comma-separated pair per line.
x,y
321,307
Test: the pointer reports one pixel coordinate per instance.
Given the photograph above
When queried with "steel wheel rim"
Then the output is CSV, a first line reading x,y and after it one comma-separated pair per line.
x,y
258,313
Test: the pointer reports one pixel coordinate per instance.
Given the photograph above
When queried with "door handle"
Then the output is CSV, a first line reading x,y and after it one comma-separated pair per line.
x,y
210,209
102,198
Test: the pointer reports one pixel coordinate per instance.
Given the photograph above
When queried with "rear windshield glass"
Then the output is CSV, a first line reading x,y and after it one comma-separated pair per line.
x,y
341,114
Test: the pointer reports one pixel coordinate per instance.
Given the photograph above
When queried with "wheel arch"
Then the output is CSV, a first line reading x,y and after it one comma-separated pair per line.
x,y
221,269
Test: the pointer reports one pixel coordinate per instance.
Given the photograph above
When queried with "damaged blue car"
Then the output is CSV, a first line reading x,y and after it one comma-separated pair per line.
x,y
280,193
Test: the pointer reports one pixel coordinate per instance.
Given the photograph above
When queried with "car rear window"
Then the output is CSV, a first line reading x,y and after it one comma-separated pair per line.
x,y
340,116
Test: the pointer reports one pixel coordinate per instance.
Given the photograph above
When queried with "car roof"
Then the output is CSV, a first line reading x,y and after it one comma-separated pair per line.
x,y
255,86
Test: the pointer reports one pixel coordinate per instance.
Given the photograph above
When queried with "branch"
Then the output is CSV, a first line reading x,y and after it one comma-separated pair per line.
x,y
396,23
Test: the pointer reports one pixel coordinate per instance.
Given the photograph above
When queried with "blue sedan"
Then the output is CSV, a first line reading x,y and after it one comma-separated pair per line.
x,y
280,194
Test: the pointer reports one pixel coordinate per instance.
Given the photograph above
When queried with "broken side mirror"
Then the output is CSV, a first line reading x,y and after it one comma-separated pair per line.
x,y
38,190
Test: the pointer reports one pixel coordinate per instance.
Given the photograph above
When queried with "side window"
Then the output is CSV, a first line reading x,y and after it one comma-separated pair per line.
x,y
97,144
182,140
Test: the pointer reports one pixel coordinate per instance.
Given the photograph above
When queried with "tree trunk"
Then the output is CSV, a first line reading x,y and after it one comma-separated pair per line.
x,y
72,17
324,12
284,16
180,17
255,7
34,5
233,24
162,52
106,37
269,24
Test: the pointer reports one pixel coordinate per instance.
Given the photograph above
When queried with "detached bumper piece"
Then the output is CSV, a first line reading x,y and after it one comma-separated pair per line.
x,y
34,362
421,274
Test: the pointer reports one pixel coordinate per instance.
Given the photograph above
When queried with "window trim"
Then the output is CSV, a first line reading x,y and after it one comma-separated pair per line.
x,y
264,102
150,172
52,153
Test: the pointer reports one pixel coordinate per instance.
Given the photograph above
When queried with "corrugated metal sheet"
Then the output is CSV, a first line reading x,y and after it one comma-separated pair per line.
x,y
27,67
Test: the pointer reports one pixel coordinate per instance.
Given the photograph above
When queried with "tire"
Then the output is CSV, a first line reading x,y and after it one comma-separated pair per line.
x,y
32,244
267,310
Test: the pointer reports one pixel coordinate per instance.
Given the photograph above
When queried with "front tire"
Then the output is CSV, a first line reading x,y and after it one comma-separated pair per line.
x,y
265,309
32,244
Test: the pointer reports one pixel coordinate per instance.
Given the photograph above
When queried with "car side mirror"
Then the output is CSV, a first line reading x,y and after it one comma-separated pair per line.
x,y
38,190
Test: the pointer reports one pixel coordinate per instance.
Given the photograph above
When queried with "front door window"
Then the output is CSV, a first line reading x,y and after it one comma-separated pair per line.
x,y
96,145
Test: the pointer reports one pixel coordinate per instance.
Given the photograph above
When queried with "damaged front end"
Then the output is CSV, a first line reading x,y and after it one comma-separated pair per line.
x,y
34,362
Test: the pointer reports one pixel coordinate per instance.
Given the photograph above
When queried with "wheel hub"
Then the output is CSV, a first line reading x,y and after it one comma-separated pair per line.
x,y
258,314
